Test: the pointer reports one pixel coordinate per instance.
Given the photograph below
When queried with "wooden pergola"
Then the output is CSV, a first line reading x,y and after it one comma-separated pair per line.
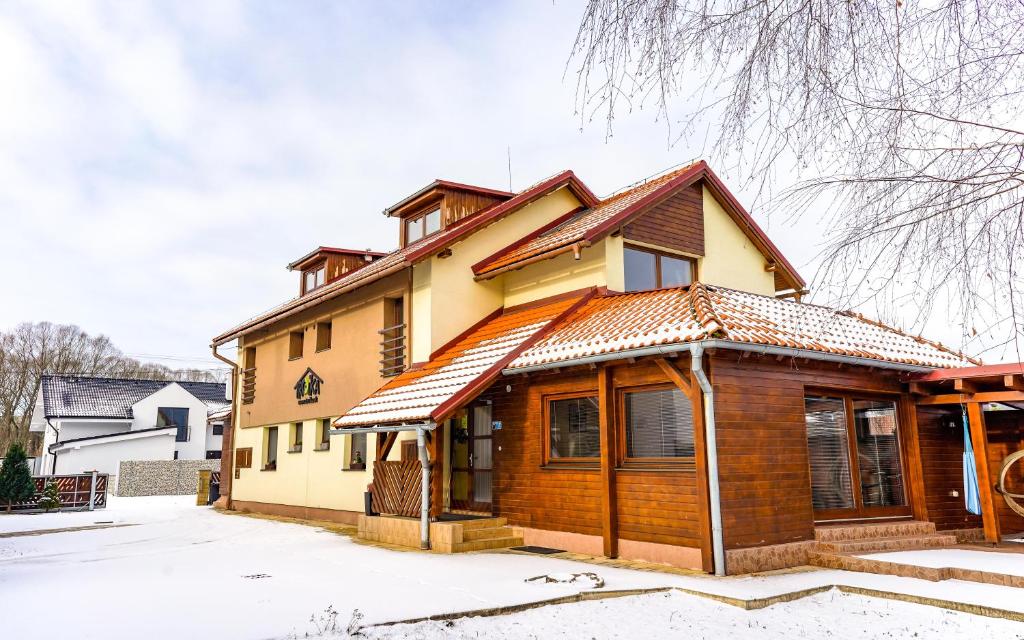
x,y
973,387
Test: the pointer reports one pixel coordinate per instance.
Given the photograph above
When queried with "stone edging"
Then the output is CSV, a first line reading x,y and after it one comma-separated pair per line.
x,y
42,532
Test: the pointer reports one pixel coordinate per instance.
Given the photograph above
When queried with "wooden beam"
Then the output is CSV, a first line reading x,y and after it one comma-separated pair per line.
x,y
979,440
676,376
964,386
606,421
984,396
915,465
1014,383
918,389
435,449
384,443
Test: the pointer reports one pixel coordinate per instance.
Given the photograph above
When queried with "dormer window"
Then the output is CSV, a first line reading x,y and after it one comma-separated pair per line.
x,y
314,277
647,269
422,226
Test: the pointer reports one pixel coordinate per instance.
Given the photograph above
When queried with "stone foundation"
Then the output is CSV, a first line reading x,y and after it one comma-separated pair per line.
x,y
299,513
162,477
767,558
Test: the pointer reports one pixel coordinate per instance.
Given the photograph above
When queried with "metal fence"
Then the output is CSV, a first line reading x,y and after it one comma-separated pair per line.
x,y
78,492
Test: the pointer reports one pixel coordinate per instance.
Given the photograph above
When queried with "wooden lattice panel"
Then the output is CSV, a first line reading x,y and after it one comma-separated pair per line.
x,y
396,487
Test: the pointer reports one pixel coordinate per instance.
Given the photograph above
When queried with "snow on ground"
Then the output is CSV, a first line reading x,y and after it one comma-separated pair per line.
x,y
186,571
994,561
677,615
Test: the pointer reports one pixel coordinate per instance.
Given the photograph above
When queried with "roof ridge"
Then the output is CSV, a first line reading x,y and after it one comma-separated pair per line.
x,y
704,310
664,174
111,379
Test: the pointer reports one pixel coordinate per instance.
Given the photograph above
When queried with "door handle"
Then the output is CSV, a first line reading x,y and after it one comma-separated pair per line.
x,y
471,460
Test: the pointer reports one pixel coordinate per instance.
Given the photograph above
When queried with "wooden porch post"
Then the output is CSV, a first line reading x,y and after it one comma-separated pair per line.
x,y
979,440
915,467
436,449
609,523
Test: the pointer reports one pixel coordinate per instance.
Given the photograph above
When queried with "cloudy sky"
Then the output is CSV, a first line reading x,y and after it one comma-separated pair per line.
x,y
161,163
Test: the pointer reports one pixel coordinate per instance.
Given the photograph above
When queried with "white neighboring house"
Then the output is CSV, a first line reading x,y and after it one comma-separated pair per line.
x,y
95,423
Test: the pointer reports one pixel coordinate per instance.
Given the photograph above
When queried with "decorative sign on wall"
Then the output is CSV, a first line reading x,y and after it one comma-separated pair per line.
x,y
307,389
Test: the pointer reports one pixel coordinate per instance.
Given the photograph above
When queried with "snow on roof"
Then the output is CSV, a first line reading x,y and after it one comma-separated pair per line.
x,y
456,372
92,397
621,322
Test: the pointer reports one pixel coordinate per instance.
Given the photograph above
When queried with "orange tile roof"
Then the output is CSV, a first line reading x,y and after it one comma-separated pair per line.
x,y
621,322
458,372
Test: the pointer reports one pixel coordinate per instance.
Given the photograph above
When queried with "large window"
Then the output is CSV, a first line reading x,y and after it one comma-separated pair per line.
x,y
174,417
422,226
573,429
646,269
853,450
658,424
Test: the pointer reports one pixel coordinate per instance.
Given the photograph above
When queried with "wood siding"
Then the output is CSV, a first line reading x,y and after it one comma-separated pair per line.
x,y
675,223
1006,435
764,474
942,449
457,205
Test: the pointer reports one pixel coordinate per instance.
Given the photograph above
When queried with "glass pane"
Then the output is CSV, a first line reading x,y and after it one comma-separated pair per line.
x,y
675,272
460,485
482,454
358,453
482,486
659,424
272,446
433,221
639,270
878,453
482,420
298,433
310,281
413,230
828,450
574,428
320,273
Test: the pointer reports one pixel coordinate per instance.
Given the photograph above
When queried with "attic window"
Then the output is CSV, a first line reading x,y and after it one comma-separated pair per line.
x,y
314,277
647,269
422,226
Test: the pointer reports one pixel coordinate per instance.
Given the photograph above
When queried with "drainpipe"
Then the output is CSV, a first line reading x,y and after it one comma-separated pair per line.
x,y
710,439
421,445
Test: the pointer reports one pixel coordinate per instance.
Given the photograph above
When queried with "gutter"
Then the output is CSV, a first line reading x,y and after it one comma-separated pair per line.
x,y
575,247
696,351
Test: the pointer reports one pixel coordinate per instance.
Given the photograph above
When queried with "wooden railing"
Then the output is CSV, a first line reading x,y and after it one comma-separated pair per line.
x,y
396,487
74,491
248,385
392,350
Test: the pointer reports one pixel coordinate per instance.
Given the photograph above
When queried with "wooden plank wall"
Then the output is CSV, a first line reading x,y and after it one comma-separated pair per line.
x,y
942,449
652,506
764,473
676,223
457,205
1006,435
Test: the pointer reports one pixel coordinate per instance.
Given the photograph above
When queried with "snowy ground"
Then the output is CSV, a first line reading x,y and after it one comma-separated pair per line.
x,y
1008,563
181,571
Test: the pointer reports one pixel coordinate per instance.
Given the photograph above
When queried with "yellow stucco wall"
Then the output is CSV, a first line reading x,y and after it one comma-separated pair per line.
x,y
730,258
420,332
558,275
456,300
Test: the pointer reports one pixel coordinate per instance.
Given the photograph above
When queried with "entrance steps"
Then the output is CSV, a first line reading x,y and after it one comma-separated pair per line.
x,y
446,536
880,537
481,534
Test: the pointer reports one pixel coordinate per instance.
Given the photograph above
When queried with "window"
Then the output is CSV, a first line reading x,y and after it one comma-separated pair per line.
x,y
270,449
422,226
213,454
323,336
356,457
313,278
658,424
573,430
174,417
325,435
647,269
295,344
218,429
296,445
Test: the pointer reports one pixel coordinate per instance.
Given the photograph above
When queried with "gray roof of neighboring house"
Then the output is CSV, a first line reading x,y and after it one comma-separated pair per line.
x,y
88,397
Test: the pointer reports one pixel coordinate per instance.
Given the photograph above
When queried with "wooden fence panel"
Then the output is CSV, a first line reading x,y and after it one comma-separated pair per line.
x,y
74,491
396,487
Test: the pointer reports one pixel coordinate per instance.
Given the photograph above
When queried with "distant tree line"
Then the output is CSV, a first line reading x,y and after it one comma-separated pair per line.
x,y
32,349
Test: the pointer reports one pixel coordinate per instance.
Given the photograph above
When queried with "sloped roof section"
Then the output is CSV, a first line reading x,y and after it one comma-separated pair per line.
x,y
406,256
90,397
589,225
459,372
622,322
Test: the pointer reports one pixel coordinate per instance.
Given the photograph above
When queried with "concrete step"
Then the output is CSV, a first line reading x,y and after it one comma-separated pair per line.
x,y
489,543
486,534
847,533
900,543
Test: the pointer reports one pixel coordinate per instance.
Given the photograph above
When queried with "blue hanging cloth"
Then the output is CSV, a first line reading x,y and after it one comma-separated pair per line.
x,y
972,497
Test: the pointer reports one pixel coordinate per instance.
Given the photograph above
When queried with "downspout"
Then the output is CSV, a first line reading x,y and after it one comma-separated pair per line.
x,y
227,442
56,434
710,440
421,445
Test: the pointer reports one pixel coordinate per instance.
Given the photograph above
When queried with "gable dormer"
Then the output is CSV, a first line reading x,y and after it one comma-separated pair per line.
x,y
325,264
439,205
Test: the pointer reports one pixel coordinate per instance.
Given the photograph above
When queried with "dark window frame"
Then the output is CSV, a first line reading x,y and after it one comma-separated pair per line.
x,y
658,255
217,430
547,401
318,269
420,220
180,436
216,452
268,464
324,425
676,462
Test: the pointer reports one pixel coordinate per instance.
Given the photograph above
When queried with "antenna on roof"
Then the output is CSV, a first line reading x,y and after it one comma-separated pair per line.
x,y
508,151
